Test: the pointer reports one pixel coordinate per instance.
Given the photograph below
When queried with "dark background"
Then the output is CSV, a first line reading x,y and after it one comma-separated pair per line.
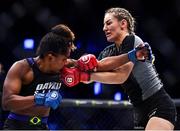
x,y
156,23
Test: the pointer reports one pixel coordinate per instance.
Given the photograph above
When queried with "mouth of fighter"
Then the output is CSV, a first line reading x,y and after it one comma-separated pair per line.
x,y
108,34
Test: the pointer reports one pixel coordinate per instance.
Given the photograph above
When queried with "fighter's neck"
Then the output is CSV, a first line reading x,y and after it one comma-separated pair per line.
x,y
120,40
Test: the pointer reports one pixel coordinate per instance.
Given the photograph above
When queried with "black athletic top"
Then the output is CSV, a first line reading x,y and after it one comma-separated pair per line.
x,y
42,82
143,81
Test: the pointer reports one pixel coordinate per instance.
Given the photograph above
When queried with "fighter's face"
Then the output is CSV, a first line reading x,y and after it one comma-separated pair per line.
x,y
57,62
112,27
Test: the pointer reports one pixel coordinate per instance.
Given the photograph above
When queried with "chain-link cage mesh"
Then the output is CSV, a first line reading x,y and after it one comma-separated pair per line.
x,y
92,116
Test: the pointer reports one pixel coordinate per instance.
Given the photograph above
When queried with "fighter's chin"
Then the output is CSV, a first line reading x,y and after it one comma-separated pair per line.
x,y
109,39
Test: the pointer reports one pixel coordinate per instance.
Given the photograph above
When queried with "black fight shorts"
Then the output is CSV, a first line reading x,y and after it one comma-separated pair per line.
x,y
158,105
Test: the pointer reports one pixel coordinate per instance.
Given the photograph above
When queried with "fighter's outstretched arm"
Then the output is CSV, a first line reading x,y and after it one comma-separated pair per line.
x,y
90,63
111,63
117,76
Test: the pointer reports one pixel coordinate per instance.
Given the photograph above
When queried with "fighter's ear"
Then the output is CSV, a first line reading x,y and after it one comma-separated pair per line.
x,y
123,23
50,56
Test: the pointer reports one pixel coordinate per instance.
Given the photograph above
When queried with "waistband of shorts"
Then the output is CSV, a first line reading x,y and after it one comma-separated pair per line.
x,y
25,118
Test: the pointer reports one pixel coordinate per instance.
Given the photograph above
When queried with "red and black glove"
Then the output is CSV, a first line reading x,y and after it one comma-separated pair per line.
x,y
87,62
72,76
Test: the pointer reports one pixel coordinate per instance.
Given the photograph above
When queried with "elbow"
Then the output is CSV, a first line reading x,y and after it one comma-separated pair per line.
x,y
4,106
118,81
121,79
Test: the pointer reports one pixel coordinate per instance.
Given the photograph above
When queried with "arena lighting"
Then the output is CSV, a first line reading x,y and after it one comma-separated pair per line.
x,y
97,88
91,47
29,44
117,96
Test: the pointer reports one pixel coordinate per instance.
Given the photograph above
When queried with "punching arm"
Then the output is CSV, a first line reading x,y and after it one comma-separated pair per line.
x,y
140,53
111,63
117,76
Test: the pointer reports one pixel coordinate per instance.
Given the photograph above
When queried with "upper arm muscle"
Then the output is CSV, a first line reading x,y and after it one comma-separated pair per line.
x,y
12,83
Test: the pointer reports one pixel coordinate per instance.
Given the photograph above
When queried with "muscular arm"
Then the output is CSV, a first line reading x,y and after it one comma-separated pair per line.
x,y
106,64
11,99
117,76
111,63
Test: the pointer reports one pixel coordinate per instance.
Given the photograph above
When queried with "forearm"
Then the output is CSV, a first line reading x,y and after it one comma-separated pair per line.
x,y
108,77
118,76
113,62
15,102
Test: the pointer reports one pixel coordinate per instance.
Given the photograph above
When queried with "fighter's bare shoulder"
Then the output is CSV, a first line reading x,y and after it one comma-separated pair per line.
x,y
20,67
